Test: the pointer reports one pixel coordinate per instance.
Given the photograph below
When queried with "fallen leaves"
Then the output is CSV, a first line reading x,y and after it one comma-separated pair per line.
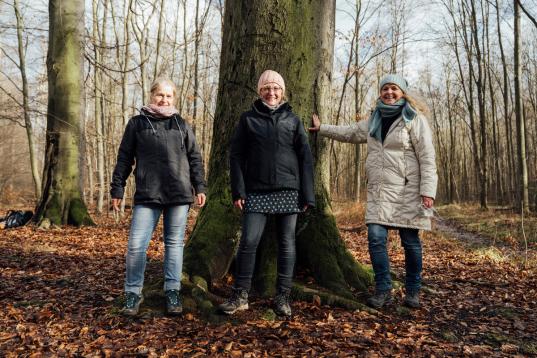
x,y
59,292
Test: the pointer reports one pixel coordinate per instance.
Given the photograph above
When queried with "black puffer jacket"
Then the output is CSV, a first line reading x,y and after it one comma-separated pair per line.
x,y
169,168
270,151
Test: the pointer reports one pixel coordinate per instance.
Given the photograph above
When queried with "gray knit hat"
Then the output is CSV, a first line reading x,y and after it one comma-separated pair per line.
x,y
396,80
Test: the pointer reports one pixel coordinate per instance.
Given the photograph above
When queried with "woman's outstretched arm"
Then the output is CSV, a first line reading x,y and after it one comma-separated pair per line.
x,y
354,133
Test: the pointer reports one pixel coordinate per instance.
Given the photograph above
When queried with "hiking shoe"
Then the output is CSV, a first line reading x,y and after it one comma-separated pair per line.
x,y
380,299
132,304
237,302
173,302
412,300
282,304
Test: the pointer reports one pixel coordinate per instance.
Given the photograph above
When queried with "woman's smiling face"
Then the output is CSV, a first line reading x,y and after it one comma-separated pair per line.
x,y
163,95
271,94
390,93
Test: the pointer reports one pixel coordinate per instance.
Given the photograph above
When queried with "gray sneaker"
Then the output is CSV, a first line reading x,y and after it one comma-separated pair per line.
x,y
412,300
282,304
380,299
173,302
132,304
237,302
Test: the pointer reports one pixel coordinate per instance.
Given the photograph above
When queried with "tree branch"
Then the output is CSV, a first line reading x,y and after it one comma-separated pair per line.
x,y
532,19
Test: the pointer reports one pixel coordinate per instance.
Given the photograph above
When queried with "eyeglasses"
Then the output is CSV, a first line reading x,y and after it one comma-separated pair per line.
x,y
269,89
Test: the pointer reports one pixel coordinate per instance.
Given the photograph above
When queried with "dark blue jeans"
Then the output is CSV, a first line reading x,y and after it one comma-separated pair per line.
x,y
377,236
253,225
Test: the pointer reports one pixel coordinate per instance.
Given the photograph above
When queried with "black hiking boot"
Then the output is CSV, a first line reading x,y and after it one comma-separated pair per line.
x,y
173,302
237,302
132,304
379,299
282,303
412,299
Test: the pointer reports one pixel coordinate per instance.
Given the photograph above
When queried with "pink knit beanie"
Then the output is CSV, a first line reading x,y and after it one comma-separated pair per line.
x,y
270,76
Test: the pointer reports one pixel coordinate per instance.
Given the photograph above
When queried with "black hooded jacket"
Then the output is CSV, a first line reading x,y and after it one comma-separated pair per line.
x,y
269,152
169,168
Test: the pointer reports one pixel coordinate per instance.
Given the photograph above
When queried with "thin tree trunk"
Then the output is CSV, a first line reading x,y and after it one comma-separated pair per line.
x,y
522,166
505,93
25,102
97,90
156,70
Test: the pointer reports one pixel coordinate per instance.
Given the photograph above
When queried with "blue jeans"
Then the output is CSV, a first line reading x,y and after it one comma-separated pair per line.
x,y
253,225
144,221
377,236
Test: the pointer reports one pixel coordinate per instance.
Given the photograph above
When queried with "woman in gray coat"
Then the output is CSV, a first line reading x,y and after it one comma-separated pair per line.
x,y
401,182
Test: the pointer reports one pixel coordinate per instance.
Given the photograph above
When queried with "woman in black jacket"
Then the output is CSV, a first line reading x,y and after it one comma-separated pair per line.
x,y
169,172
271,174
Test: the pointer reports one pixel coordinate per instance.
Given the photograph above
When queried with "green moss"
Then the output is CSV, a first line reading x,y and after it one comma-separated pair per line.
x,y
78,213
53,210
211,247
303,293
529,348
200,282
324,253
198,294
206,306
269,315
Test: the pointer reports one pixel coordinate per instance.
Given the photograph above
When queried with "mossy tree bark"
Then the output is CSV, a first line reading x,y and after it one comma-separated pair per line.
x,y
295,38
61,200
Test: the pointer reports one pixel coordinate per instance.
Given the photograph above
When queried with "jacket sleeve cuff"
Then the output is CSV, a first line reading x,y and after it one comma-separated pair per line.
x,y
428,194
117,193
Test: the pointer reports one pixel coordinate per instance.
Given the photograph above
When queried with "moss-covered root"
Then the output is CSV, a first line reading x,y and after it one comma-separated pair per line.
x,y
323,252
303,293
213,243
58,211
200,298
78,213
195,296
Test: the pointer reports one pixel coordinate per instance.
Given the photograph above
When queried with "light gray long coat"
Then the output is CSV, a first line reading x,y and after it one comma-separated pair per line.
x,y
399,171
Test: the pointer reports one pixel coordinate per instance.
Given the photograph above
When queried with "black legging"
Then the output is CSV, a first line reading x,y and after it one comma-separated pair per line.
x,y
253,225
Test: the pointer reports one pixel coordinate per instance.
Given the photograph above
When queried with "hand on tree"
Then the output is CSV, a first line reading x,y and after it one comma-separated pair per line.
x,y
427,201
201,199
239,203
315,123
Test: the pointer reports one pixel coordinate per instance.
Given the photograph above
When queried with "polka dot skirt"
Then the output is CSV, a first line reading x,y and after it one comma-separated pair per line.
x,y
275,202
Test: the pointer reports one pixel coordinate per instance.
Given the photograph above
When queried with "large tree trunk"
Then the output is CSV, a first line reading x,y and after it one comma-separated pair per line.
x,y
294,38
61,200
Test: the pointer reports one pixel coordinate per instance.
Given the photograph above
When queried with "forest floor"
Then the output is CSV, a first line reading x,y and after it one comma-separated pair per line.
x,y
60,296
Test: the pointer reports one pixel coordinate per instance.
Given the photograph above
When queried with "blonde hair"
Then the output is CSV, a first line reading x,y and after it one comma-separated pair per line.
x,y
417,104
159,81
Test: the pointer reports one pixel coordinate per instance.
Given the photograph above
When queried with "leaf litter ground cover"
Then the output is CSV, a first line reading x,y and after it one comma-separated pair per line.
x,y
60,295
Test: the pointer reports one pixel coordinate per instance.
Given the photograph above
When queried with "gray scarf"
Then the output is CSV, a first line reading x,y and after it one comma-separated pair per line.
x,y
389,110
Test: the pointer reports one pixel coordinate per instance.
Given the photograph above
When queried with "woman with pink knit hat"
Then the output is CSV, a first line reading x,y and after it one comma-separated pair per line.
x,y
271,170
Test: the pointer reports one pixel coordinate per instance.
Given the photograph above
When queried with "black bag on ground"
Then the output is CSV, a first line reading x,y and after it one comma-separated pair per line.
x,y
16,218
